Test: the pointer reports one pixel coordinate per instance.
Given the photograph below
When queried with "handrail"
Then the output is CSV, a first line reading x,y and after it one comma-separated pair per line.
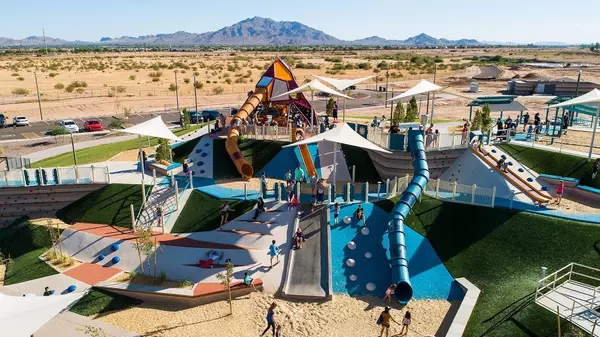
x,y
145,201
185,187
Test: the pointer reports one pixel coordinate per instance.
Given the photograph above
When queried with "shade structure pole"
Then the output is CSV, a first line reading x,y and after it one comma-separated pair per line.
x,y
312,111
594,133
344,112
335,148
432,107
141,156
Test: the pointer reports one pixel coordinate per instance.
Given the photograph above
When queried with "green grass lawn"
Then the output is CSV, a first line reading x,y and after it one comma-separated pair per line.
x,y
108,205
98,301
103,152
501,252
202,213
24,243
365,169
257,152
181,152
554,163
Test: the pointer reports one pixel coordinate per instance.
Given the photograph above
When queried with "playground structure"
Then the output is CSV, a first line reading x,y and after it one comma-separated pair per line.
x,y
266,101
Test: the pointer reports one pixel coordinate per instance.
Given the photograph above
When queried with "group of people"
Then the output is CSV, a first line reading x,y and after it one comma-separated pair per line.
x,y
432,138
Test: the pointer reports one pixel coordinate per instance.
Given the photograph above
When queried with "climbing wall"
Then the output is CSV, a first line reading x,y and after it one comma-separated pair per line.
x,y
201,158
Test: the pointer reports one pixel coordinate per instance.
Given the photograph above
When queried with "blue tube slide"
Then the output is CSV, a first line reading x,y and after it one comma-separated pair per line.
x,y
398,260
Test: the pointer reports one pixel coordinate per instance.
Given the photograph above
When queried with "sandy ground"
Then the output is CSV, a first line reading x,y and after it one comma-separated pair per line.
x,y
2,272
253,184
344,316
573,140
132,155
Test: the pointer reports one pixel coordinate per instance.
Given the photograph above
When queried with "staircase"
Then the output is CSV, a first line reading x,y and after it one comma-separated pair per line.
x,y
162,194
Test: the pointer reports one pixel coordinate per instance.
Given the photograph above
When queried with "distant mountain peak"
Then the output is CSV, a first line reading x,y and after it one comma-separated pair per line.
x,y
250,31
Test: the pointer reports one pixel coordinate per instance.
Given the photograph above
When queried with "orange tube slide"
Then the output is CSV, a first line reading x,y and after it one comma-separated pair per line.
x,y
308,162
234,133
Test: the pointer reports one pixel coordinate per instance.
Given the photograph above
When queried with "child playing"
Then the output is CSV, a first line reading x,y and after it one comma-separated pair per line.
x,y
249,281
360,215
560,190
225,208
389,292
278,332
336,212
405,323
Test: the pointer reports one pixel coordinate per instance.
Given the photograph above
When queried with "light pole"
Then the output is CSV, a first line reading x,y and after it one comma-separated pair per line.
x,y
387,79
579,72
73,147
196,98
176,91
38,95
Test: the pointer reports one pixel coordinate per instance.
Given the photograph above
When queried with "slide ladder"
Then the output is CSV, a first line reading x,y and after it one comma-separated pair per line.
x,y
398,259
491,155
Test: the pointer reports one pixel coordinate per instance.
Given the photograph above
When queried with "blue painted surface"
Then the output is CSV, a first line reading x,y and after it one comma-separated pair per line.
x,y
397,142
173,166
429,277
277,168
549,176
589,189
543,210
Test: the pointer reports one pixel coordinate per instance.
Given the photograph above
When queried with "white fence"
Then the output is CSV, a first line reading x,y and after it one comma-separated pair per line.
x,y
441,141
56,176
459,193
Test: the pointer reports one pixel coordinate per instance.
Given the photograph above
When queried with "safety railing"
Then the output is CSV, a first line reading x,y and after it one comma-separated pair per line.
x,y
187,183
459,193
433,142
55,176
146,195
572,272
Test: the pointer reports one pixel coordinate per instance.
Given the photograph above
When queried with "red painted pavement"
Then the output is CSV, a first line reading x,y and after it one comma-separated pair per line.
x,y
92,273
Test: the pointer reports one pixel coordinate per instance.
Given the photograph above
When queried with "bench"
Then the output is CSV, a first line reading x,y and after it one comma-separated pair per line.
x,y
551,179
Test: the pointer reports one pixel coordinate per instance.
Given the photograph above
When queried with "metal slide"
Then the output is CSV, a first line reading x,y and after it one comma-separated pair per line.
x,y
516,179
398,260
311,170
234,133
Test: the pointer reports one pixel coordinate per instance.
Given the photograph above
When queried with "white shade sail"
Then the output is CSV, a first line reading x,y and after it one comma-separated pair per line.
x,y
341,84
424,87
314,85
153,128
342,134
23,316
591,97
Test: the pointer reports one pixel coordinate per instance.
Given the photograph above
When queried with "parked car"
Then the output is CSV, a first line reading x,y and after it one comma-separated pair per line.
x,y
3,119
69,125
194,115
210,115
20,121
93,125
234,111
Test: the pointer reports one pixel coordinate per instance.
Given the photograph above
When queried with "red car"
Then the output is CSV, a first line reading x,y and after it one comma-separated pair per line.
x,y
93,125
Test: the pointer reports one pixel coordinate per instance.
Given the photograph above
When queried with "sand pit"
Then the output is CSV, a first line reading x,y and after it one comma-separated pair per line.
x,y
253,184
344,316
572,204
132,155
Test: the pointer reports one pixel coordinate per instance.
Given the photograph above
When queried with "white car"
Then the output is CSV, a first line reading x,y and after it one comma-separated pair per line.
x,y
20,121
69,125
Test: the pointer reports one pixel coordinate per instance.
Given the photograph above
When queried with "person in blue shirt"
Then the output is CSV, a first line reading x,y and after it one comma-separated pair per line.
x,y
273,252
249,281
299,174
270,319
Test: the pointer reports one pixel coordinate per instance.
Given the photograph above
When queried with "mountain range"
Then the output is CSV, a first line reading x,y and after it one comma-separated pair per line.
x,y
252,31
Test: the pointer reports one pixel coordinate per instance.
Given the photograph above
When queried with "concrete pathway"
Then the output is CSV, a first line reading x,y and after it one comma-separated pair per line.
x,y
73,325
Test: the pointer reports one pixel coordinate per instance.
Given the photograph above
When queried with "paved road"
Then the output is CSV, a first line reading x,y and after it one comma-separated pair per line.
x,y
39,129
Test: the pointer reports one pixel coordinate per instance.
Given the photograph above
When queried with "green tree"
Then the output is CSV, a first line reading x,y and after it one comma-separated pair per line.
x,y
486,120
185,119
143,244
58,132
476,123
412,111
399,113
163,150
329,107
226,282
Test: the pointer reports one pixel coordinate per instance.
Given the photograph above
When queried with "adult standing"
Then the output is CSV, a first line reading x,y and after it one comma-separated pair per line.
x,y
384,320
566,124
525,120
299,174
335,112
270,319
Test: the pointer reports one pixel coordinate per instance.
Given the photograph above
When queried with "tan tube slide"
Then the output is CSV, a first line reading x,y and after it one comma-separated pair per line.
x,y
234,133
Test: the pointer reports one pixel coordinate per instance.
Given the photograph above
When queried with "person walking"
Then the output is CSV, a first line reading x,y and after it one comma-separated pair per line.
x,y
225,208
566,124
160,216
299,174
335,112
320,191
560,190
288,176
336,213
270,319
406,323
273,252
384,320
525,120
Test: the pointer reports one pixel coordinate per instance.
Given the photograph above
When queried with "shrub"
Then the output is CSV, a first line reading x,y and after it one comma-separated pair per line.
x,y
162,151
121,89
172,87
228,80
186,80
132,77
163,277
155,74
80,90
218,90
155,79
199,85
14,74
333,59
58,131
186,284
196,73
364,65
117,123
20,78
20,91
53,74
59,86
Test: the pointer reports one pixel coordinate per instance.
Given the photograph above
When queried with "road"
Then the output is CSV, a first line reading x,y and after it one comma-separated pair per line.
x,y
367,98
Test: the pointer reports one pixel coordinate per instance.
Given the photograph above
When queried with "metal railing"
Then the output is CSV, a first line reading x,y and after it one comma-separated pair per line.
x,y
440,141
573,270
55,176
459,193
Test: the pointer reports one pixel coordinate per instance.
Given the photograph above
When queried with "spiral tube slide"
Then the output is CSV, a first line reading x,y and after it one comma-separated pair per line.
x,y
234,134
398,259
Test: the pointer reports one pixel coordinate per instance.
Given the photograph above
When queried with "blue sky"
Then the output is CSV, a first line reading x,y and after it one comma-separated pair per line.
x,y
573,21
